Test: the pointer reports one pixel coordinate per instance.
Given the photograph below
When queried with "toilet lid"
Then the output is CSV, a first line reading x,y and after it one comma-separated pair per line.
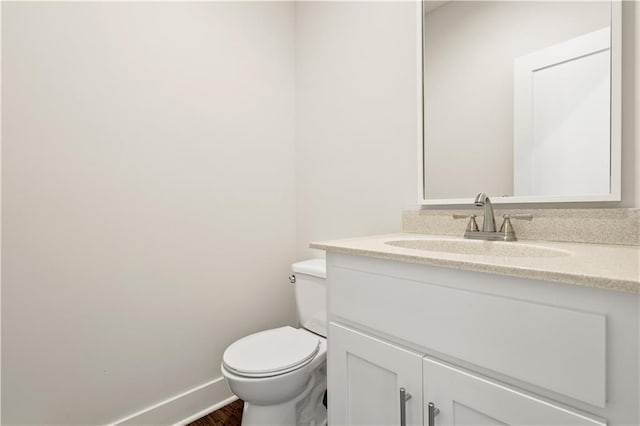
x,y
271,352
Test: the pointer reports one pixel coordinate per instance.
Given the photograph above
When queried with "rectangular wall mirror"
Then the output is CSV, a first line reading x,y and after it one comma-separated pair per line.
x,y
521,100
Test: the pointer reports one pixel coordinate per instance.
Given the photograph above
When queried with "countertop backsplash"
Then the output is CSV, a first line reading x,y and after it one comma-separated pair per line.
x,y
597,226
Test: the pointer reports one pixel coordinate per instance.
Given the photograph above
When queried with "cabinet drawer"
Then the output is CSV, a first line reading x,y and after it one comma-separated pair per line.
x,y
555,348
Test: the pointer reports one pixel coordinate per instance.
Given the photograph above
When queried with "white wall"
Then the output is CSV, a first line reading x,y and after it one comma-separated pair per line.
x,y
356,122
148,201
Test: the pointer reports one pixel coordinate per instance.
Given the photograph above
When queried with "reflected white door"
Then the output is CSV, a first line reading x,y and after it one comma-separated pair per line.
x,y
562,122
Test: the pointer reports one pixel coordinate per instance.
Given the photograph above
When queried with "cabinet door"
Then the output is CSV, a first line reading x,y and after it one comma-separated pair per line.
x,y
365,376
465,399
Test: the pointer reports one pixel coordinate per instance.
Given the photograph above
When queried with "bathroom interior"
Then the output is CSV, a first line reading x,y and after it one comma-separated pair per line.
x,y
342,212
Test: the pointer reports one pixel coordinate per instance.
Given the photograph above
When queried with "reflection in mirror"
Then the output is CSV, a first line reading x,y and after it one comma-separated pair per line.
x,y
517,98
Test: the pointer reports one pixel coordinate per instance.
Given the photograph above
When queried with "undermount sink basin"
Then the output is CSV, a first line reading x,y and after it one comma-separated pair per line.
x,y
480,248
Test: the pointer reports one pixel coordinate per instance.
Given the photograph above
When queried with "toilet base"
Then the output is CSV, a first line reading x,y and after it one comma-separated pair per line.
x,y
305,409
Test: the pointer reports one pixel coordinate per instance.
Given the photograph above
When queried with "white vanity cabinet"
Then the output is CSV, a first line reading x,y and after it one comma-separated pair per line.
x,y
484,349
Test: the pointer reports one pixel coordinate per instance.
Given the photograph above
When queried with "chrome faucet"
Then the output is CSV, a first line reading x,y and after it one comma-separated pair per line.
x,y
489,232
489,222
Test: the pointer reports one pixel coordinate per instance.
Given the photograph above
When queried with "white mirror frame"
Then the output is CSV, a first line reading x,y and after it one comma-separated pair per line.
x,y
616,127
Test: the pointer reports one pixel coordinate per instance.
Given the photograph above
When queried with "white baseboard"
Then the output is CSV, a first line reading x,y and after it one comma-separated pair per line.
x,y
183,408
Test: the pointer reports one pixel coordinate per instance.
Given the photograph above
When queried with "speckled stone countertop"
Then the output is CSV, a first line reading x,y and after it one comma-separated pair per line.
x,y
612,267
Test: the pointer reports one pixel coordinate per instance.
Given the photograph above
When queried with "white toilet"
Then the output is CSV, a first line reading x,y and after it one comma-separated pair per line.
x,y
280,373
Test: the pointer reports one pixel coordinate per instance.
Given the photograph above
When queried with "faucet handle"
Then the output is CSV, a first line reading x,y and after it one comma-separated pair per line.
x,y
521,216
507,228
472,226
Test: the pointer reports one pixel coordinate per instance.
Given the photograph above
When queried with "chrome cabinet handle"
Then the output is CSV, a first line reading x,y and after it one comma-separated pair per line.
x,y
432,413
404,397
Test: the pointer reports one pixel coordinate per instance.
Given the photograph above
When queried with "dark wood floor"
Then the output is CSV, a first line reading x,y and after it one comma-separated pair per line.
x,y
229,415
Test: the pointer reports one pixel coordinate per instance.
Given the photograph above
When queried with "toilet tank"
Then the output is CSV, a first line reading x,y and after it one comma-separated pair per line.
x,y
311,294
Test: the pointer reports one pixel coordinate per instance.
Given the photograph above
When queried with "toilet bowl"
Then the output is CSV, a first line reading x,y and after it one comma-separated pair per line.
x,y
280,373
273,396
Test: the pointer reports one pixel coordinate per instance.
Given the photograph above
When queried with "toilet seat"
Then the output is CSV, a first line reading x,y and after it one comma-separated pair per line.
x,y
271,352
